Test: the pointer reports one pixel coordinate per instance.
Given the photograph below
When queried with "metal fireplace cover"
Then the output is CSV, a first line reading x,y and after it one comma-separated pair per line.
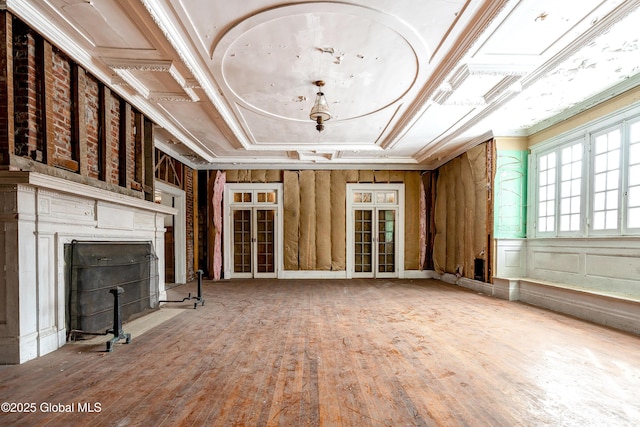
x,y
95,267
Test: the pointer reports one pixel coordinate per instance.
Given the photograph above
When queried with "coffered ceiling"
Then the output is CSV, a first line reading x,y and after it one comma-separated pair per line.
x,y
410,84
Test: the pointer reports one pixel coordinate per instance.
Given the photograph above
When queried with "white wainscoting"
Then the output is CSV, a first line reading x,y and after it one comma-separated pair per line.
x,y
596,279
39,215
608,266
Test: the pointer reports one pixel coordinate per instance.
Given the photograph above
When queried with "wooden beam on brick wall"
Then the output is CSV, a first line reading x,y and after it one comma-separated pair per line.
x,y
125,144
47,114
148,161
79,118
7,132
104,123
138,143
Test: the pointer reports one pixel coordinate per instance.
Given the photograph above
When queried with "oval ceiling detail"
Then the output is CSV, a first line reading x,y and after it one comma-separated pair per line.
x,y
270,60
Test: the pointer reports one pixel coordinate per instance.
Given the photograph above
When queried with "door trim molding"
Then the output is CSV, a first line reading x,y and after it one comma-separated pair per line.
x,y
351,188
227,220
179,229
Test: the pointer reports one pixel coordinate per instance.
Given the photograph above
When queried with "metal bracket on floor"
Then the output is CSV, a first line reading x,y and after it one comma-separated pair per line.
x,y
199,298
118,333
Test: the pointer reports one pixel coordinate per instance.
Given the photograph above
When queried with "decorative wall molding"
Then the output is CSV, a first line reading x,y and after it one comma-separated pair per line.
x,y
138,64
511,74
168,97
34,179
503,85
125,68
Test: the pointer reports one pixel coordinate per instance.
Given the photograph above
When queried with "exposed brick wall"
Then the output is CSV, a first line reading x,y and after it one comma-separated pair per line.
x,y
27,122
92,100
76,127
62,103
44,80
113,139
189,214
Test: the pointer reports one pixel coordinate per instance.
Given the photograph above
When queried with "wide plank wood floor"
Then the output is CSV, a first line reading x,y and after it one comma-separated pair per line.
x,y
340,353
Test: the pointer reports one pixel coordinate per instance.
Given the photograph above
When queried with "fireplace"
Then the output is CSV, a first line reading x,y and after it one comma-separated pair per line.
x,y
43,217
94,268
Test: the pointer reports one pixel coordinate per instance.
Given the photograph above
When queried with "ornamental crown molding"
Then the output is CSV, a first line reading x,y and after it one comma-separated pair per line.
x,y
126,67
138,64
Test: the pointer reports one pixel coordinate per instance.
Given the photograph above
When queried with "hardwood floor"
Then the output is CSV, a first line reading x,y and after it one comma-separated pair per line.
x,y
339,353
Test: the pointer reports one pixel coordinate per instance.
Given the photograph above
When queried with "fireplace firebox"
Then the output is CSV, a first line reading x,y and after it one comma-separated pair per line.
x,y
94,269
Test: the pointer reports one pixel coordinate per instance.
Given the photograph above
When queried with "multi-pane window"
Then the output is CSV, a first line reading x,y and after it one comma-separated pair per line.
x,y
546,192
266,197
242,197
591,187
255,196
377,196
606,180
386,197
633,194
570,187
362,197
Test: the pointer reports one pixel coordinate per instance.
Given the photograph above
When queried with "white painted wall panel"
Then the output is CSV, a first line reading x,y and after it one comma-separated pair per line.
x,y
510,258
615,266
114,217
71,209
556,261
46,289
606,265
513,259
144,221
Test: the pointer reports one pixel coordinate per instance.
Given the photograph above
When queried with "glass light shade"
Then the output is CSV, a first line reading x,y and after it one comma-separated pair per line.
x,y
320,111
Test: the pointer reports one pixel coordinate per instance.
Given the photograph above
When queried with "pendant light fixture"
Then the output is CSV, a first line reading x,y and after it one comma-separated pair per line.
x,y
320,112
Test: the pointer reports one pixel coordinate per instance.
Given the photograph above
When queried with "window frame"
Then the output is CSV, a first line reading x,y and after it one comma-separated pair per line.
x,y
557,216
592,177
625,221
586,135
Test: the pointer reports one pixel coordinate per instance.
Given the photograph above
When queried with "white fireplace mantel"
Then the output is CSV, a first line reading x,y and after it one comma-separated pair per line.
x,y
39,215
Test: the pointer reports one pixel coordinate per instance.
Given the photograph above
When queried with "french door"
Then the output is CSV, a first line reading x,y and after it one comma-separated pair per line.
x,y
253,247
375,242
253,230
374,246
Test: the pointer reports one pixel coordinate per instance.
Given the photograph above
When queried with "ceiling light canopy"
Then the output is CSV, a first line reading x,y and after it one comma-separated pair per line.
x,y
320,112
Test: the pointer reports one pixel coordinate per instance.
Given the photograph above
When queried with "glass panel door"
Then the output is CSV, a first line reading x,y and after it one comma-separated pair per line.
x,y
252,226
254,242
242,241
375,230
363,239
374,242
265,249
386,241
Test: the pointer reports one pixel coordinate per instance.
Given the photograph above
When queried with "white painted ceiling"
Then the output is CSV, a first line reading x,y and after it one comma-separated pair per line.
x,y
410,84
